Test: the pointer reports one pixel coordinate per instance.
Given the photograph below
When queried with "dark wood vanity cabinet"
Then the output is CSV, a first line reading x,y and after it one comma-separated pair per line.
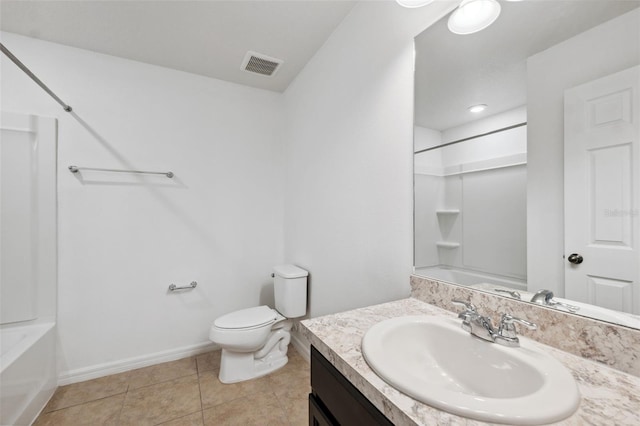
x,y
335,401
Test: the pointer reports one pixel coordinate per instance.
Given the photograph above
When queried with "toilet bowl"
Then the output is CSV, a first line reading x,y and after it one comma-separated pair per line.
x,y
254,341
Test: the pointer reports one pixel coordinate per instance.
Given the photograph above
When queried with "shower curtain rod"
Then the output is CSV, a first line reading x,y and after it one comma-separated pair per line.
x,y
515,126
27,71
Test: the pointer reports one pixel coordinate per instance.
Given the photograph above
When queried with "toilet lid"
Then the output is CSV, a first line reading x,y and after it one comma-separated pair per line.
x,y
247,318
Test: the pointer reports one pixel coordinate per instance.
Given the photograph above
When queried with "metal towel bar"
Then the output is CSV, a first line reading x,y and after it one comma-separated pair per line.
x,y
76,169
173,287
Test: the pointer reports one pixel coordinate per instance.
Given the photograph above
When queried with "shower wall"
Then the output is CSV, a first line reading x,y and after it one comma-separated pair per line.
x,y
123,239
28,265
470,198
17,241
27,218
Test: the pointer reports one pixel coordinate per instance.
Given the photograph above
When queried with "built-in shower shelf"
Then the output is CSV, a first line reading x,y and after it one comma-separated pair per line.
x,y
447,244
448,211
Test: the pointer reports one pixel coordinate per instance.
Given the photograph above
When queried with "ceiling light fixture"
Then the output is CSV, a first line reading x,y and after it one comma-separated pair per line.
x,y
477,108
473,16
413,3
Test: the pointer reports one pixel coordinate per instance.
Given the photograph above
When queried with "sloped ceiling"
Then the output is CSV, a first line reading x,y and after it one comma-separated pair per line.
x,y
209,38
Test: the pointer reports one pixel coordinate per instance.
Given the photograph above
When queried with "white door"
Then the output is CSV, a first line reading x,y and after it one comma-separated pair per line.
x,y
602,191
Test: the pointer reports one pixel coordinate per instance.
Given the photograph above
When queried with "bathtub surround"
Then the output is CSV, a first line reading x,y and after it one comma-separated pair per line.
x,y
29,218
608,396
28,370
470,197
29,373
469,278
605,343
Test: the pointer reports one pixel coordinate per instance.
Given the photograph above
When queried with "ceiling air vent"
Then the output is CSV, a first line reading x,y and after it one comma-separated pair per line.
x,y
260,64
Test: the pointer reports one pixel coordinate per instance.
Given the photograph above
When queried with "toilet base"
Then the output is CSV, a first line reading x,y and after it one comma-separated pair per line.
x,y
240,366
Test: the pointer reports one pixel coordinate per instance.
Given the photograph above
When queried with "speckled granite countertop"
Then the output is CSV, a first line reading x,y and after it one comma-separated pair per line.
x,y
609,397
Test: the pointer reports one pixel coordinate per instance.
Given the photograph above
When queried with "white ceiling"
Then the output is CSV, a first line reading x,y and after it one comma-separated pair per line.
x,y
454,72
209,38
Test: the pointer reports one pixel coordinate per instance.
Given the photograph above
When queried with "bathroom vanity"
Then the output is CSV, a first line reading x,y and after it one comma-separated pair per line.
x,y
334,400
344,388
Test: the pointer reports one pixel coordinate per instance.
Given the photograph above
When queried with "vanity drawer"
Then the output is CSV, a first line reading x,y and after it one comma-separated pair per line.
x,y
335,401
318,415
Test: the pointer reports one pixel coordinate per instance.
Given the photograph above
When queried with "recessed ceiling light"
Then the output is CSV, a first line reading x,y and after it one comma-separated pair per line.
x,y
413,3
473,16
477,108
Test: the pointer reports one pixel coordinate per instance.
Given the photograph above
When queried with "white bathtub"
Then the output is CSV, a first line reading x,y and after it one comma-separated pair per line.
x,y
469,278
28,374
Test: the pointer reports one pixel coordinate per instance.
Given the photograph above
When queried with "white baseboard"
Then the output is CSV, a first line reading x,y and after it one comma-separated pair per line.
x,y
301,345
101,370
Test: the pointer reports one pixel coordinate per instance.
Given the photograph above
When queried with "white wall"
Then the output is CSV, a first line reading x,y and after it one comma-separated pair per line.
x,y
123,239
348,198
603,50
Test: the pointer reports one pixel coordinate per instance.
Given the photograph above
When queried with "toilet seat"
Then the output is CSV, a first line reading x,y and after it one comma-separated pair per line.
x,y
245,330
250,318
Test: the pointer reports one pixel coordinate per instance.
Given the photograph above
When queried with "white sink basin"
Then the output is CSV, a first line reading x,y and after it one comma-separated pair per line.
x,y
434,361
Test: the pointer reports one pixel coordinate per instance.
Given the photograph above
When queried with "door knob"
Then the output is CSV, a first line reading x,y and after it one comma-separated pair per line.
x,y
575,258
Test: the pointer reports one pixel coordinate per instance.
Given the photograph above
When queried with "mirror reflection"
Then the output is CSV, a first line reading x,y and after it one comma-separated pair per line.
x,y
527,156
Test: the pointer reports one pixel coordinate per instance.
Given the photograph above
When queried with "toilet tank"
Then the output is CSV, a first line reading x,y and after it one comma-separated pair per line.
x,y
290,290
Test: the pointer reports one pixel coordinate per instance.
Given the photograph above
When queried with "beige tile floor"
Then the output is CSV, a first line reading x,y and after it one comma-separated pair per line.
x,y
184,392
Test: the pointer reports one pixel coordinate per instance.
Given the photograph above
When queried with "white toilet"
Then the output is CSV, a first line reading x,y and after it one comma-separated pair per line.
x,y
254,341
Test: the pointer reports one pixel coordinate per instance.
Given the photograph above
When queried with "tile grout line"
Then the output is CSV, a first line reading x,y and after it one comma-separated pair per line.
x,y
177,418
167,380
200,395
280,404
126,393
82,403
163,381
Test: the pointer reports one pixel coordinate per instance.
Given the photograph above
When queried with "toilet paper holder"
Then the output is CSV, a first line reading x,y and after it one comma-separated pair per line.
x,y
173,287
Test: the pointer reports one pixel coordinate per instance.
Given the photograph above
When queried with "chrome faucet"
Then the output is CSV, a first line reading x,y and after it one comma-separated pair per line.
x,y
545,297
476,324
482,327
542,297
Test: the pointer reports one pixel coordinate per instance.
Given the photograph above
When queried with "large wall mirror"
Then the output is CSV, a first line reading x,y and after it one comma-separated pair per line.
x,y
536,196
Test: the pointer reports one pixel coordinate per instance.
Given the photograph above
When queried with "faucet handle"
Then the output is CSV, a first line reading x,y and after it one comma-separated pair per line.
x,y
571,308
469,308
470,311
508,319
511,293
507,331
467,305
